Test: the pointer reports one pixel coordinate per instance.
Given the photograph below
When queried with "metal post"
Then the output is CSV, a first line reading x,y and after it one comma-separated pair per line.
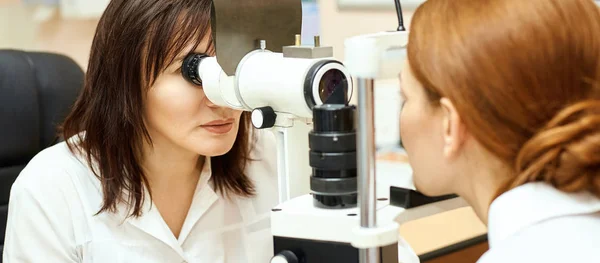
x,y
282,169
293,173
366,163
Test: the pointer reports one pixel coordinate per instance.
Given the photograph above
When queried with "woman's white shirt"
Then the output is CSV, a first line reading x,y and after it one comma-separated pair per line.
x,y
538,223
52,207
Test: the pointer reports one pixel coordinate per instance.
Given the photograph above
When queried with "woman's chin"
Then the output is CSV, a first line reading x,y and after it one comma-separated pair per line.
x,y
217,153
213,149
428,187
210,146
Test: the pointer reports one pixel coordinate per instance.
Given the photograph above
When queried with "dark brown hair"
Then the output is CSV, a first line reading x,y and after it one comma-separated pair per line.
x,y
134,42
525,77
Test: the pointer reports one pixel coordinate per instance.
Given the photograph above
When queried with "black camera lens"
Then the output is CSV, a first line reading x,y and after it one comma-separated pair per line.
x,y
332,84
332,81
332,144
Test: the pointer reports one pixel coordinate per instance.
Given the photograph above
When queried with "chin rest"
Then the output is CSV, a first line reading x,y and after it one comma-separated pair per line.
x,y
36,92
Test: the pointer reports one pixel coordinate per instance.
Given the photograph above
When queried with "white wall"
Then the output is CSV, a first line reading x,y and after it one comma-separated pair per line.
x,y
16,28
42,28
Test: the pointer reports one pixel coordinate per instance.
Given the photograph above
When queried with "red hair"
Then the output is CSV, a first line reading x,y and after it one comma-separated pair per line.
x,y
524,76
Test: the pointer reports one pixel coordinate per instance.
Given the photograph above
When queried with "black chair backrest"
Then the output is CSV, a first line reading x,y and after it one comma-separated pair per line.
x,y
36,92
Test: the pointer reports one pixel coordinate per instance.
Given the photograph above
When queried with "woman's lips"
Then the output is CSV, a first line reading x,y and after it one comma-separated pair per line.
x,y
219,126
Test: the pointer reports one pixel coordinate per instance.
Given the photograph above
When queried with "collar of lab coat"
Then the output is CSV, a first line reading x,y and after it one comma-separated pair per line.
x,y
153,224
533,203
151,221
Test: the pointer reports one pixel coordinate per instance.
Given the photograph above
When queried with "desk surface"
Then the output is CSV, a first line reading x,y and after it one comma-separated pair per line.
x,y
437,231
442,230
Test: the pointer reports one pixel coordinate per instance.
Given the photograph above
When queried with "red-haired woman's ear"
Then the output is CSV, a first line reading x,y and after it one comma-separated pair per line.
x,y
454,131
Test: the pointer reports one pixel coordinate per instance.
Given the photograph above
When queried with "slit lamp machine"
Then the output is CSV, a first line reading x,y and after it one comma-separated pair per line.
x,y
331,207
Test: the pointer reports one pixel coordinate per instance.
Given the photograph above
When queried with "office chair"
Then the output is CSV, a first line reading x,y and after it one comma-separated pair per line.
x,y
36,92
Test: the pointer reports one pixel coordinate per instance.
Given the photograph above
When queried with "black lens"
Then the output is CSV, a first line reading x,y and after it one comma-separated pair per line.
x,y
333,81
332,144
189,68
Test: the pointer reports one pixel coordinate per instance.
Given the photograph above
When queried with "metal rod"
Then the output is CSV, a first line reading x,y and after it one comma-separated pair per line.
x,y
366,153
369,255
282,170
400,16
366,163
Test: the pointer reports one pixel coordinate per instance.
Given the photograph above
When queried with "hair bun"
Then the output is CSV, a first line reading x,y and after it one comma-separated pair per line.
x,y
566,152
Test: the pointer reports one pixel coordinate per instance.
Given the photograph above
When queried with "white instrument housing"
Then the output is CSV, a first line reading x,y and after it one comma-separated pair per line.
x,y
263,78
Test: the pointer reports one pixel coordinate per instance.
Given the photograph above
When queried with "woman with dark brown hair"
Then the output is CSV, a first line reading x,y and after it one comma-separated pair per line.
x,y
502,107
151,170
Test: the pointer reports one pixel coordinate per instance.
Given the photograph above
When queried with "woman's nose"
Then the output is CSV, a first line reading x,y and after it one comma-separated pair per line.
x,y
210,104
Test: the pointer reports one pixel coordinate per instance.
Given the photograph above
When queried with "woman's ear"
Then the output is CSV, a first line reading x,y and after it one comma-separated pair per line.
x,y
454,130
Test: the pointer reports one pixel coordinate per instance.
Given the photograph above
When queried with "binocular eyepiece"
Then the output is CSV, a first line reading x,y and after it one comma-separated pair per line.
x,y
189,69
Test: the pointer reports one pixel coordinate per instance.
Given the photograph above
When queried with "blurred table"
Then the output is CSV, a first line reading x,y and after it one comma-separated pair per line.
x,y
446,231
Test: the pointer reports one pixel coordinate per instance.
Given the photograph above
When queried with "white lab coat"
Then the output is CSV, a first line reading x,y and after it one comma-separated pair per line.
x,y
53,202
537,223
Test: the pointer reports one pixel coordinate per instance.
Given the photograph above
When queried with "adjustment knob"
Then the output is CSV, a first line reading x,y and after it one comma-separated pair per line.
x,y
285,256
263,117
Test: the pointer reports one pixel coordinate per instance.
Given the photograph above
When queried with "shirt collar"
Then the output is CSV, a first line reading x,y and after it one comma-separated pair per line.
x,y
152,223
204,198
532,203
205,174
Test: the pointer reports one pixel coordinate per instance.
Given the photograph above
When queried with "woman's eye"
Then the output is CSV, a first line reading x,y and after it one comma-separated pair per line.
x,y
177,67
402,99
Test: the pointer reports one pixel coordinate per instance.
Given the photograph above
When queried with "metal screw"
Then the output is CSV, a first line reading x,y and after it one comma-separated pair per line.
x,y
263,45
